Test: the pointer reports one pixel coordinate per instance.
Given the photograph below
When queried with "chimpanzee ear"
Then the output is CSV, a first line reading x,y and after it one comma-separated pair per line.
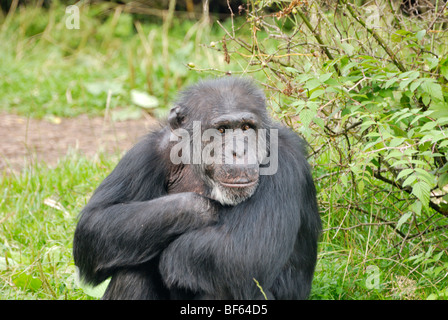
x,y
176,118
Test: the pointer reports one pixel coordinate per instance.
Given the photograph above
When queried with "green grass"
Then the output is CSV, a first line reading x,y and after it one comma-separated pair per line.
x,y
38,214
49,69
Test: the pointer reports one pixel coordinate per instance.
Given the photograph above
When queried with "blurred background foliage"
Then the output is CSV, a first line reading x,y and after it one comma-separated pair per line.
x,y
364,82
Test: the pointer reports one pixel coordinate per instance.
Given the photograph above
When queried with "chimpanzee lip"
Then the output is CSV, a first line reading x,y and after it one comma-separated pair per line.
x,y
239,184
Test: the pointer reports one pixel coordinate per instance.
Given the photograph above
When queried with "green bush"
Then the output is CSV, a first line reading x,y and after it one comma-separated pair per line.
x,y
367,87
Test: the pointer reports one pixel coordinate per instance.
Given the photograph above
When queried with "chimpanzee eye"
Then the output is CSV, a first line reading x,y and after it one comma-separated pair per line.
x,y
221,130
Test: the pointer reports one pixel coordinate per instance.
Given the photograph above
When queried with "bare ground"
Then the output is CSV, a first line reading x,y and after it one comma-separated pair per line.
x,y
25,140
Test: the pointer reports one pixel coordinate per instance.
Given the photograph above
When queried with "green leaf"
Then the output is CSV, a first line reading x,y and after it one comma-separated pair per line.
x,y
416,207
405,172
419,35
432,62
360,186
426,99
415,84
433,89
316,93
306,116
428,177
390,82
409,180
26,281
422,191
404,83
319,122
443,180
403,219
428,126
143,99
440,109
417,117
432,296
396,142
409,75
292,70
404,116
312,84
444,168
444,71
399,35
399,113
303,77
299,105
312,105
324,77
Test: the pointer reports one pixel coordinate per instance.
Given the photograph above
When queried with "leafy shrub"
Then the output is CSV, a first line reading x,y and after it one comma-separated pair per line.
x,y
367,87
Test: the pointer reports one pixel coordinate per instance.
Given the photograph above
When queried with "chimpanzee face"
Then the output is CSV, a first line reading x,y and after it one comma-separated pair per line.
x,y
223,126
230,162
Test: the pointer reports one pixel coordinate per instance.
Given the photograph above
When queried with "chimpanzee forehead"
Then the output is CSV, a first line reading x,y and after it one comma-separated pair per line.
x,y
224,95
232,99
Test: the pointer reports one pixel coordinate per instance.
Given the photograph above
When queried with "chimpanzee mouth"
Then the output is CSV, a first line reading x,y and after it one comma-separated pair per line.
x,y
230,192
239,184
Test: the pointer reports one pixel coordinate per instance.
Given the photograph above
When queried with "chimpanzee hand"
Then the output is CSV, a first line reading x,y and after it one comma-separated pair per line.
x,y
205,208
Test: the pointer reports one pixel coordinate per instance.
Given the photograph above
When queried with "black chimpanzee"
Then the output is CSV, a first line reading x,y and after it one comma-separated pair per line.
x,y
165,226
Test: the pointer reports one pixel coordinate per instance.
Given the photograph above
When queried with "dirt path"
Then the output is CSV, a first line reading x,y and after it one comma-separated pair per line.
x,y
24,140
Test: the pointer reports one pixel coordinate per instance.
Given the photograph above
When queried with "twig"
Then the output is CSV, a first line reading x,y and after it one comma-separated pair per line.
x,y
375,35
437,17
318,38
231,17
432,205
237,40
361,225
276,56
393,225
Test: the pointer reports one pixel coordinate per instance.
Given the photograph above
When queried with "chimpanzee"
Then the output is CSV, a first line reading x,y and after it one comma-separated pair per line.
x,y
207,217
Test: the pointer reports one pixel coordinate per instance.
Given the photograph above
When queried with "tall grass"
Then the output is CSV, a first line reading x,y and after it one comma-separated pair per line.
x,y
38,214
49,69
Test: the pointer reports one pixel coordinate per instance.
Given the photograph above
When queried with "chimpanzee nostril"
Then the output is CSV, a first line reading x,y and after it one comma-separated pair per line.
x,y
237,174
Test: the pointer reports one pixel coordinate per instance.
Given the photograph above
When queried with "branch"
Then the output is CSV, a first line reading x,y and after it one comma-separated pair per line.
x,y
376,36
432,205
437,17
318,38
383,222
387,223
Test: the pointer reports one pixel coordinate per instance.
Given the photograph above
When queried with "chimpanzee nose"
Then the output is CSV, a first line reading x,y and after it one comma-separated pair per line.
x,y
240,173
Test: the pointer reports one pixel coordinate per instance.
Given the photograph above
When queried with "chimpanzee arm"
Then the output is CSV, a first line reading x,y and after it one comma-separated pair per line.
x,y
130,218
256,239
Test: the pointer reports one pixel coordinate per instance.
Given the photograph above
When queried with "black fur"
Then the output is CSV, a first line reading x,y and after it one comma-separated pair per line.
x,y
157,243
